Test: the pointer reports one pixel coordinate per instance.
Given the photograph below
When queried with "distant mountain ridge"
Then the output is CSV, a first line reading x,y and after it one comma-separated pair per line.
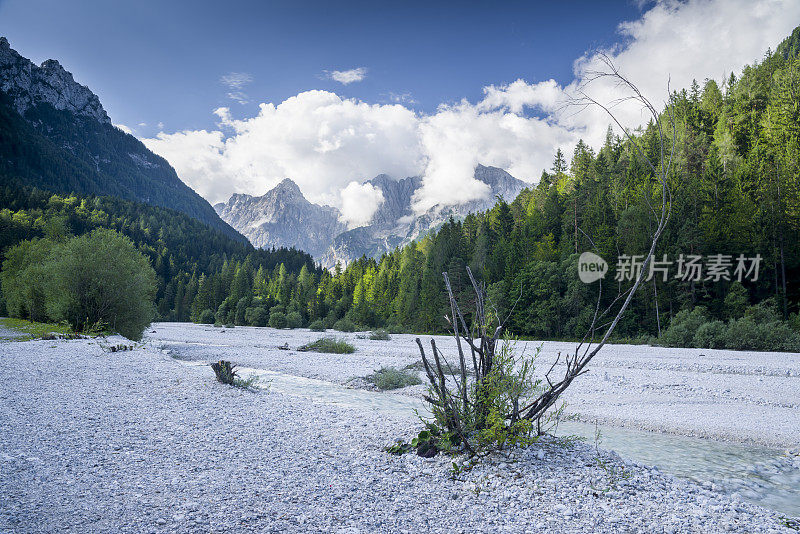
x,y
55,135
284,217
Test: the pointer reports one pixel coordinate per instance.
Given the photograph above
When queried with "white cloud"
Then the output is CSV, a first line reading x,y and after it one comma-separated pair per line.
x,y
124,128
236,81
401,98
325,142
346,77
673,42
316,138
359,203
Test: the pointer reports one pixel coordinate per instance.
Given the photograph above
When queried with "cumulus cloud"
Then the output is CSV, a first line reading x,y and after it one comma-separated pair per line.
x,y
346,77
325,142
673,42
359,203
318,139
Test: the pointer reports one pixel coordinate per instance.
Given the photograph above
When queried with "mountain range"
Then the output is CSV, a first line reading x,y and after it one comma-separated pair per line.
x,y
284,217
55,135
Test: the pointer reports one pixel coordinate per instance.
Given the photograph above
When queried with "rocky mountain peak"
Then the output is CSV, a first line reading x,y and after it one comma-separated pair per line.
x,y
284,217
29,85
287,187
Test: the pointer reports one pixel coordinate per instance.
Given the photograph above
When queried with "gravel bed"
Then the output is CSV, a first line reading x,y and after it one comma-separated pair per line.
x,y
92,441
749,397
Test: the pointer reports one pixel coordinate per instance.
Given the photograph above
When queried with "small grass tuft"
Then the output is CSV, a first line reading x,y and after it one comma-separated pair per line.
x,y
32,330
330,345
380,335
388,378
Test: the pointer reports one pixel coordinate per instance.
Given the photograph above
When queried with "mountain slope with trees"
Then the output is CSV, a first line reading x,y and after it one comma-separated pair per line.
x,y
55,135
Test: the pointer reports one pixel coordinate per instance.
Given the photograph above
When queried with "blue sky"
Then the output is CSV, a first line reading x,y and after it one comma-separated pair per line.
x,y
155,61
239,95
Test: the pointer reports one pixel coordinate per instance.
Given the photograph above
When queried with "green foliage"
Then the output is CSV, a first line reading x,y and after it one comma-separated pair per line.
x,y
88,280
736,301
388,378
294,320
483,418
206,317
197,267
426,444
344,325
101,277
710,335
34,330
734,191
380,335
760,328
683,327
278,319
317,326
256,316
330,345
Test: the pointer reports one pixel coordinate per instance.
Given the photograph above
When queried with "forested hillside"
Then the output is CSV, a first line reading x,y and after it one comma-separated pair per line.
x,y
183,251
55,135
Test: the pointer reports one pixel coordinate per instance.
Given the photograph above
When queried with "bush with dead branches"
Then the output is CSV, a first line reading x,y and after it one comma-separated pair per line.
x,y
503,403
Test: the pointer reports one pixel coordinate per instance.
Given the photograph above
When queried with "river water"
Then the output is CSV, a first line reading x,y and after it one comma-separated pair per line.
x,y
764,476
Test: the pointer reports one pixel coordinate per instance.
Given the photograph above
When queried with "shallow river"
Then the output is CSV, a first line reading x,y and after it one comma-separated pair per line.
x,y
764,476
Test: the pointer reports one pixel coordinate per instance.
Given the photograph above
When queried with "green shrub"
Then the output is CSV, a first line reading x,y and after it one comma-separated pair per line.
x,y
395,329
277,319
710,335
317,326
206,317
329,345
101,278
387,378
256,316
344,325
380,335
93,279
747,334
25,278
294,320
330,319
683,327
241,311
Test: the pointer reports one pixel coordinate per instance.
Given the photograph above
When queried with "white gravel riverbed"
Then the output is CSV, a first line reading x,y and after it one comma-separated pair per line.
x,y
92,441
750,397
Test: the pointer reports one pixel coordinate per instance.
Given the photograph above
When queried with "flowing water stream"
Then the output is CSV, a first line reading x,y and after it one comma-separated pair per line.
x,y
764,476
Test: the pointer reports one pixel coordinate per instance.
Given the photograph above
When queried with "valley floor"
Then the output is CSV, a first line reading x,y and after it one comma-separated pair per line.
x,y
750,397
93,441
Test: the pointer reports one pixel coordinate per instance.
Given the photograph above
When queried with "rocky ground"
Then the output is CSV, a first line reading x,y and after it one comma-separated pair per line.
x,y
751,397
93,441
